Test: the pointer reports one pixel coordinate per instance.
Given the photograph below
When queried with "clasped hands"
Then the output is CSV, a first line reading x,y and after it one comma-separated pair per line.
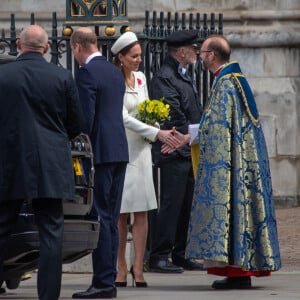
x,y
172,140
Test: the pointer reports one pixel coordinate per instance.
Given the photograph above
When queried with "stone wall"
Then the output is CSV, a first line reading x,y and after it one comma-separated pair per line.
x,y
265,36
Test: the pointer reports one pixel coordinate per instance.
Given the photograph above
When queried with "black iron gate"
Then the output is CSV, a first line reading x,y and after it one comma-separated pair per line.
x,y
152,38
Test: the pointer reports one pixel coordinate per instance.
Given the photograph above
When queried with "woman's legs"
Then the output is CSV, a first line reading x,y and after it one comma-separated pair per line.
x,y
139,236
122,266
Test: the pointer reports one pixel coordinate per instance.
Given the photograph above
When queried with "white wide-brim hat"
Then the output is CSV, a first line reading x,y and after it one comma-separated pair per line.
x,y
123,41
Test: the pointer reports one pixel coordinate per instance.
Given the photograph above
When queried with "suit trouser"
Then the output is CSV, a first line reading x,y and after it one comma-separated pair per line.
x,y
50,223
109,182
172,218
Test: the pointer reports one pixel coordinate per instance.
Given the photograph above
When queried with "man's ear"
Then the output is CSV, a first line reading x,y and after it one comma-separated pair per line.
x,y
46,48
19,44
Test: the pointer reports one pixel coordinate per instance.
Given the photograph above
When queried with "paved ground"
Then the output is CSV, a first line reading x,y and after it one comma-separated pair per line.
x,y
192,285
288,224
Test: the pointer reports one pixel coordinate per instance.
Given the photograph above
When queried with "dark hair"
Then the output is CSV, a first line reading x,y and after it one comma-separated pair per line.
x,y
124,51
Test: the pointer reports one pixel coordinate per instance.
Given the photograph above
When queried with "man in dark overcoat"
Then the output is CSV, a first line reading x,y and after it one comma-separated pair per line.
x,y
40,113
170,223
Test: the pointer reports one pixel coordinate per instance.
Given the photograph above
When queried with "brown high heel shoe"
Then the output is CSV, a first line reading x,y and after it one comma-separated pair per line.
x,y
139,284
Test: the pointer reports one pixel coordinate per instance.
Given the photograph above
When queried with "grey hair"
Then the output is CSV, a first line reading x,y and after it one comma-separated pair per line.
x,y
34,37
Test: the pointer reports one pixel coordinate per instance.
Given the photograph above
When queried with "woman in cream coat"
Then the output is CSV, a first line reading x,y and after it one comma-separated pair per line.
x,y
138,194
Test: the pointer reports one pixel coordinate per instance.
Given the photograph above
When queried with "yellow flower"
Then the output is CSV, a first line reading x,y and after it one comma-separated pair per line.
x,y
153,111
150,107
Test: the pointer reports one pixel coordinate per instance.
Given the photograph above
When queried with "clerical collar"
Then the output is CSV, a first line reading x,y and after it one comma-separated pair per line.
x,y
219,70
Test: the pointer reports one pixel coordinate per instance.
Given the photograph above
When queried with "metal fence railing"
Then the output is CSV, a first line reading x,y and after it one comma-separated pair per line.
x,y
152,39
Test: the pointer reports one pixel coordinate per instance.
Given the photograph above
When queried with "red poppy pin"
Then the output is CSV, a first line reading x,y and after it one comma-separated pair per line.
x,y
139,81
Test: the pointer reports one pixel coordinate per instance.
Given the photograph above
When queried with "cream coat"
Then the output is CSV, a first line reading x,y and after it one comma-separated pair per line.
x,y
138,193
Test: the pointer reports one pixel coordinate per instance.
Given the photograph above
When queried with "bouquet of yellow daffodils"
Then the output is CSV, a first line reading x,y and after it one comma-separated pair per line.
x,y
153,112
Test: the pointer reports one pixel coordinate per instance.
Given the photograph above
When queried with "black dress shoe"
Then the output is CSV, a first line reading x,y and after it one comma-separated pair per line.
x,y
189,264
94,293
120,283
232,283
164,266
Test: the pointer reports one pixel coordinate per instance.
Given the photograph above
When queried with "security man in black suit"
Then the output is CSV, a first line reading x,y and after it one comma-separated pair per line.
x,y
40,112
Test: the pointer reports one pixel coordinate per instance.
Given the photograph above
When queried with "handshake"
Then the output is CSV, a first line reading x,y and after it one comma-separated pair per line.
x,y
172,140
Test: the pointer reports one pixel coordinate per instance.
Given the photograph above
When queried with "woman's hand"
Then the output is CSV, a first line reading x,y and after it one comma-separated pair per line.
x,y
164,135
174,141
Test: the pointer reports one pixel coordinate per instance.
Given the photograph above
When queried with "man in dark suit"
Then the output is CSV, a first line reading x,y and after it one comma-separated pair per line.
x,y
40,113
101,89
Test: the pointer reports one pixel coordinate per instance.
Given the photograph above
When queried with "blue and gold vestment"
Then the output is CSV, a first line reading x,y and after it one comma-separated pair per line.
x,y
233,218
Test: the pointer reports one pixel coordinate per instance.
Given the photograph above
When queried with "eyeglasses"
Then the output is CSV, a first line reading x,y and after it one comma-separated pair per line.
x,y
205,51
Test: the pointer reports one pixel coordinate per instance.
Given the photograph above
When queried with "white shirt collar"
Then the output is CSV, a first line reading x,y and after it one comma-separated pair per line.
x,y
182,70
92,56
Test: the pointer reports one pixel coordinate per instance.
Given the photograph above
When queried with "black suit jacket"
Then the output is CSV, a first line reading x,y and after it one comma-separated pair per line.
x,y
101,88
40,112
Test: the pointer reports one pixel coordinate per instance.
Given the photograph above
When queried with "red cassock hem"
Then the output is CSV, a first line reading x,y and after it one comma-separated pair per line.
x,y
230,271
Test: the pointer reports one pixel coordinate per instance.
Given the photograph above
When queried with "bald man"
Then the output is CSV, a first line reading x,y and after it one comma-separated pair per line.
x,y
233,223
40,112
